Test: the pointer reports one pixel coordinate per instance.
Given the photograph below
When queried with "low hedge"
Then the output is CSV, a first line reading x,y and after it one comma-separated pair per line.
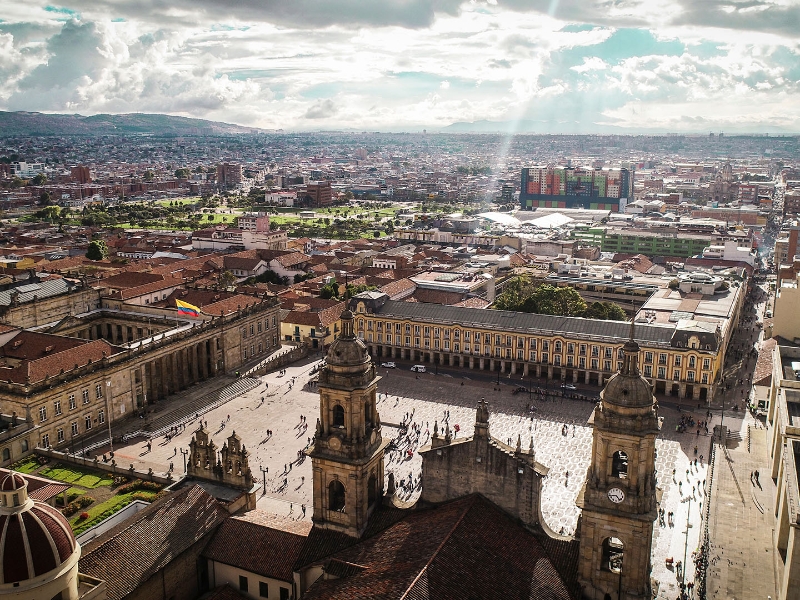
x,y
139,485
77,505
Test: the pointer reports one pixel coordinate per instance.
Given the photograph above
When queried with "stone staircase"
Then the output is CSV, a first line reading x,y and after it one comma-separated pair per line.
x,y
183,412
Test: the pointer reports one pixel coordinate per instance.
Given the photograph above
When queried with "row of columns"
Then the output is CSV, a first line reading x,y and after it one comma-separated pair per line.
x,y
113,333
178,370
508,366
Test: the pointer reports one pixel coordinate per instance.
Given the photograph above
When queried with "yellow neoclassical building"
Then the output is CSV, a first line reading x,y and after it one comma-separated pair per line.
x,y
681,359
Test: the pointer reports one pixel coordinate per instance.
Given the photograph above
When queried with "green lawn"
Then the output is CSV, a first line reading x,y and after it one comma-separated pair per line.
x,y
101,511
77,476
28,465
218,218
181,201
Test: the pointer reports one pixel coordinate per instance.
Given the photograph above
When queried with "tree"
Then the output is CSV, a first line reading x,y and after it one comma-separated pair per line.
x,y
329,290
97,250
226,280
49,214
607,311
40,179
149,175
45,199
182,173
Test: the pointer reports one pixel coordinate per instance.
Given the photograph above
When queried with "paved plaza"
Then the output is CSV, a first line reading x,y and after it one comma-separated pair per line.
x,y
279,402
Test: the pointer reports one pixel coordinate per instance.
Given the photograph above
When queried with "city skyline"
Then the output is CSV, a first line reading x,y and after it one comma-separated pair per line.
x,y
543,67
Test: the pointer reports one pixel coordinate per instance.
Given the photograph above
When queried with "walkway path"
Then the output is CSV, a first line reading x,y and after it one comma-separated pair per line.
x,y
741,556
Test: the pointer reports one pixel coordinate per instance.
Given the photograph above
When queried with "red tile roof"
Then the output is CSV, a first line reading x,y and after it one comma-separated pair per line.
x,y
230,305
762,374
467,544
273,544
129,554
131,279
35,356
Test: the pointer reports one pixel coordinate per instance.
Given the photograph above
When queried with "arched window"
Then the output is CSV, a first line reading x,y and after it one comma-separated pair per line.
x,y
619,465
372,490
336,496
338,416
367,415
612,555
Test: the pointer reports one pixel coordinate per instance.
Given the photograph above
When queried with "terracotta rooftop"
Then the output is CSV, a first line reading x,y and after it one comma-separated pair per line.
x,y
762,375
273,544
466,544
132,552
30,357
230,305
131,279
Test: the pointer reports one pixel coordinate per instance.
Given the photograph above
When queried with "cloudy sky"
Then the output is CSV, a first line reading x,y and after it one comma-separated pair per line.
x,y
560,66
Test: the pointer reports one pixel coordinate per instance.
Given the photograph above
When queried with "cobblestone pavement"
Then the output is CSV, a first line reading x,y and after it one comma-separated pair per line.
x,y
426,398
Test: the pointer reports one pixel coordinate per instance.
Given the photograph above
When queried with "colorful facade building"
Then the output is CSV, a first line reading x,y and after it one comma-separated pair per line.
x,y
575,187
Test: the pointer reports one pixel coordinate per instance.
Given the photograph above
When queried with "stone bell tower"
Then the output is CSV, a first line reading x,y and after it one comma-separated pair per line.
x,y
618,500
347,457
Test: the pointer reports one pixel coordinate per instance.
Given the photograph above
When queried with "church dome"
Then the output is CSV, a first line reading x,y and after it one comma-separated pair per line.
x,y
36,538
347,350
628,388
627,391
12,481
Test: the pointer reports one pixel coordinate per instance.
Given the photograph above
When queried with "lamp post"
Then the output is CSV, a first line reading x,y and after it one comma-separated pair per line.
x,y
686,544
185,454
264,471
722,417
108,417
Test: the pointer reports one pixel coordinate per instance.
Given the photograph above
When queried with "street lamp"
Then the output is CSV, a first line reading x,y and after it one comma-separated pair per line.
x,y
264,471
185,454
686,543
108,418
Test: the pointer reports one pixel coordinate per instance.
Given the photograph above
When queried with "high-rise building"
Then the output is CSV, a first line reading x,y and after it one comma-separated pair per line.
x,y
318,193
80,174
229,174
575,187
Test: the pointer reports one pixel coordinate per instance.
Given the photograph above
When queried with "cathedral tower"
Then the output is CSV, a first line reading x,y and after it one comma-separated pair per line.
x,y
347,456
618,500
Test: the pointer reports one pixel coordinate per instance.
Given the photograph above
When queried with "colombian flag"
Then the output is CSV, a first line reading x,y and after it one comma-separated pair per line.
x,y
187,310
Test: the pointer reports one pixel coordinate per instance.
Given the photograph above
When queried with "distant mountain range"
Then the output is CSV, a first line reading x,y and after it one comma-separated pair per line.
x,y
493,127
34,123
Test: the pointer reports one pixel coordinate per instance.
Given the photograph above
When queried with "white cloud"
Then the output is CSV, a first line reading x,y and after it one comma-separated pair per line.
x,y
418,63
591,63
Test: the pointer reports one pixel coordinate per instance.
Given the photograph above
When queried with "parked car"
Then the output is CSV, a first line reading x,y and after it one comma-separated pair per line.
x,y
419,368
568,386
389,365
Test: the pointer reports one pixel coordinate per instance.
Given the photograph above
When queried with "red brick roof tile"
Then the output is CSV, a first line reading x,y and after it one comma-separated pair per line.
x,y
273,544
467,544
129,554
